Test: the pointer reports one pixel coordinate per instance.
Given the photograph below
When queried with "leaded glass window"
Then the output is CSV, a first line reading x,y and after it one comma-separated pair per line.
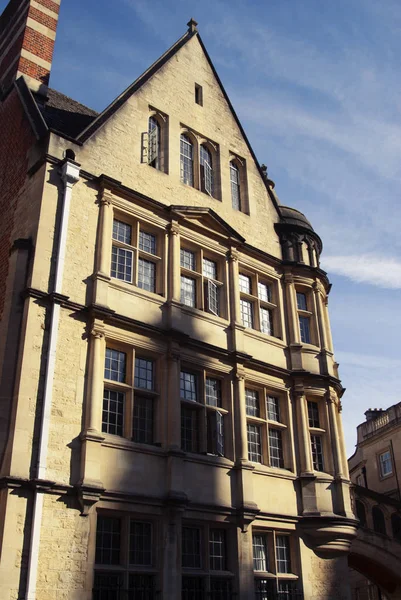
x,y
313,414
317,452
188,386
252,403
188,291
283,555
246,313
154,143
276,449
146,275
235,186
191,548
187,160
213,391
113,412
273,408
147,242
187,259
206,170
115,365
260,552
143,419
144,373
254,443
217,549
108,540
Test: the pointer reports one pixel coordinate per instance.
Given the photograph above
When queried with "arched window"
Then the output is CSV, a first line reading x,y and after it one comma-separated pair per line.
x,y
206,170
154,143
379,524
360,512
187,160
235,186
396,526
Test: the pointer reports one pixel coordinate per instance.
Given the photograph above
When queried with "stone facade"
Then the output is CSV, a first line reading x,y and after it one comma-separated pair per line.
x,y
171,414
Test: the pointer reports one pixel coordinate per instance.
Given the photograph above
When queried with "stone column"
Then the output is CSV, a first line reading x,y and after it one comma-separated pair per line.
x,y
327,323
237,329
241,450
104,243
291,301
174,279
303,430
318,291
334,434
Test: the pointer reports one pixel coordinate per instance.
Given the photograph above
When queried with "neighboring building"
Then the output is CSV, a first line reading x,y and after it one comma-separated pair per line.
x,y
170,419
374,470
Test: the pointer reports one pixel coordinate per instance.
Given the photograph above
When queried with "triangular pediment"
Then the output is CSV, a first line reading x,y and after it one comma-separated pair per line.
x,y
206,220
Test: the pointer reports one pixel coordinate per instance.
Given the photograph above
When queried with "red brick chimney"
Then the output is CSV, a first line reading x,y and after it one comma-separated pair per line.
x,y
27,34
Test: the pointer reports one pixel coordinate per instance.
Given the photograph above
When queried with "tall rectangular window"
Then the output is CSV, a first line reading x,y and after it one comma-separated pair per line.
x,y
273,408
317,452
186,160
188,259
252,403
304,328
266,321
140,544
246,313
191,548
189,429
217,550
213,391
260,552
276,449
108,540
386,466
143,420
146,275
113,412
115,365
245,284
188,291
144,373
147,242
188,386
283,555
235,180
313,414
254,443
256,303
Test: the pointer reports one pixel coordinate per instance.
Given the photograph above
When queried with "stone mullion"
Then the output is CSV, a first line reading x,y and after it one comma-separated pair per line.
x,y
291,301
303,431
95,388
241,450
320,315
174,268
235,310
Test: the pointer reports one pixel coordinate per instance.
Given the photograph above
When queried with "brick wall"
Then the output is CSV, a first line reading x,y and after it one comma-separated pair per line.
x,y
15,140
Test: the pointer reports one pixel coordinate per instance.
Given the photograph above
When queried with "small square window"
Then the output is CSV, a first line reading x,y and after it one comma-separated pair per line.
x,y
188,259
114,368
143,373
198,94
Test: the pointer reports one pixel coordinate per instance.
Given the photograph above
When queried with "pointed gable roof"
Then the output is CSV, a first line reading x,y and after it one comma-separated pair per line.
x,y
142,79
206,218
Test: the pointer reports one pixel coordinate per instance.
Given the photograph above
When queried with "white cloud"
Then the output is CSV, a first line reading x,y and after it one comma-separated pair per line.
x,y
374,270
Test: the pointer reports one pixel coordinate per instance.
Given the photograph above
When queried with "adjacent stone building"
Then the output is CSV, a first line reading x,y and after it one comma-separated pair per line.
x,y
170,422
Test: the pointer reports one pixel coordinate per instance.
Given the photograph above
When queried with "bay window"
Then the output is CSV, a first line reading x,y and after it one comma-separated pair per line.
x,y
257,303
202,279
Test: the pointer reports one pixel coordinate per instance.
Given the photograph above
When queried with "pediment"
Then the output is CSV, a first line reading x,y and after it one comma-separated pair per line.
x,y
206,220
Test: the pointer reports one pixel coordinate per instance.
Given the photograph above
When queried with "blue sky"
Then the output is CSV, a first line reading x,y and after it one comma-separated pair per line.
x,y
317,87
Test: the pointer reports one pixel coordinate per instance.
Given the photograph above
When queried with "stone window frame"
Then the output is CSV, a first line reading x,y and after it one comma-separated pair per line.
x,y
266,424
205,573
321,432
202,409
240,164
198,140
161,162
272,305
201,280
130,391
137,225
309,313
272,574
379,454
124,569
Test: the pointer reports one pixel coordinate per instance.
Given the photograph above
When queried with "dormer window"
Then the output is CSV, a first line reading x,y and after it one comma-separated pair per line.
x,y
206,170
187,160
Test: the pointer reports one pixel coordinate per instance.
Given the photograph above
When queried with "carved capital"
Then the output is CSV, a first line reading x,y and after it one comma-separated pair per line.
x,y
240,374
331,397
246,515
97,331
288,278
318,288
233,255
298,391
174,228
105,199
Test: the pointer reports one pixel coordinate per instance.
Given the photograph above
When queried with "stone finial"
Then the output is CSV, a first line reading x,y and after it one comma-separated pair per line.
x,y
192,25
263,168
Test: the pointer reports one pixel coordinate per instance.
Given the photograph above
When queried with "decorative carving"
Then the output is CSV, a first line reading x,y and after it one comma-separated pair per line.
x,y
288,278
88,495
246,515
239,373
174,228
233,255
97,332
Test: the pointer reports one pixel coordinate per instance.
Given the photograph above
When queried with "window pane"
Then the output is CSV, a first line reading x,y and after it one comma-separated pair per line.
x,y
142,425
209,268
114,367
108,540
266,321
146,275
217,549
313,414
188,291
252,403
192,588
265,589
260,555
189,429
220,589
254,443
276,449
213,391
154,143
301,301
186,160
247,313
121,264
143,373
206,170
213,298
245,284
113,412
107,586
140,543
386,467
287,590
264,292
317,452
147,242
188,259
122,232
188,386
283,556
235,186
141,587
304,329
191,548
273,408
215,433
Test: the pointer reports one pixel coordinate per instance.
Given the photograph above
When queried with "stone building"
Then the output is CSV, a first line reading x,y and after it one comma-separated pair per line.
x,y
170,419
374,470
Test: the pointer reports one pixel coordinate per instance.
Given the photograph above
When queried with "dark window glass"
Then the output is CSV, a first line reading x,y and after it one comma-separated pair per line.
x,y
220,589
304,330
213,391
188,386
217,550
108,540
283,555
379,524
143,373
192,588
317,452
107,586
301,301
313,414
276,449
191,548
142,426
141,587
189,429
115,365
252,403
140,545
254,443
113,412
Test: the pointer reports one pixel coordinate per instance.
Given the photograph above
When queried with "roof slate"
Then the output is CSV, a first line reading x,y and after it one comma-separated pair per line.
x,y
66,115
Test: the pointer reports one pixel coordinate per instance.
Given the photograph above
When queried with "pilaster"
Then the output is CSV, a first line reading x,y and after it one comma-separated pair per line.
x,y
103,256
